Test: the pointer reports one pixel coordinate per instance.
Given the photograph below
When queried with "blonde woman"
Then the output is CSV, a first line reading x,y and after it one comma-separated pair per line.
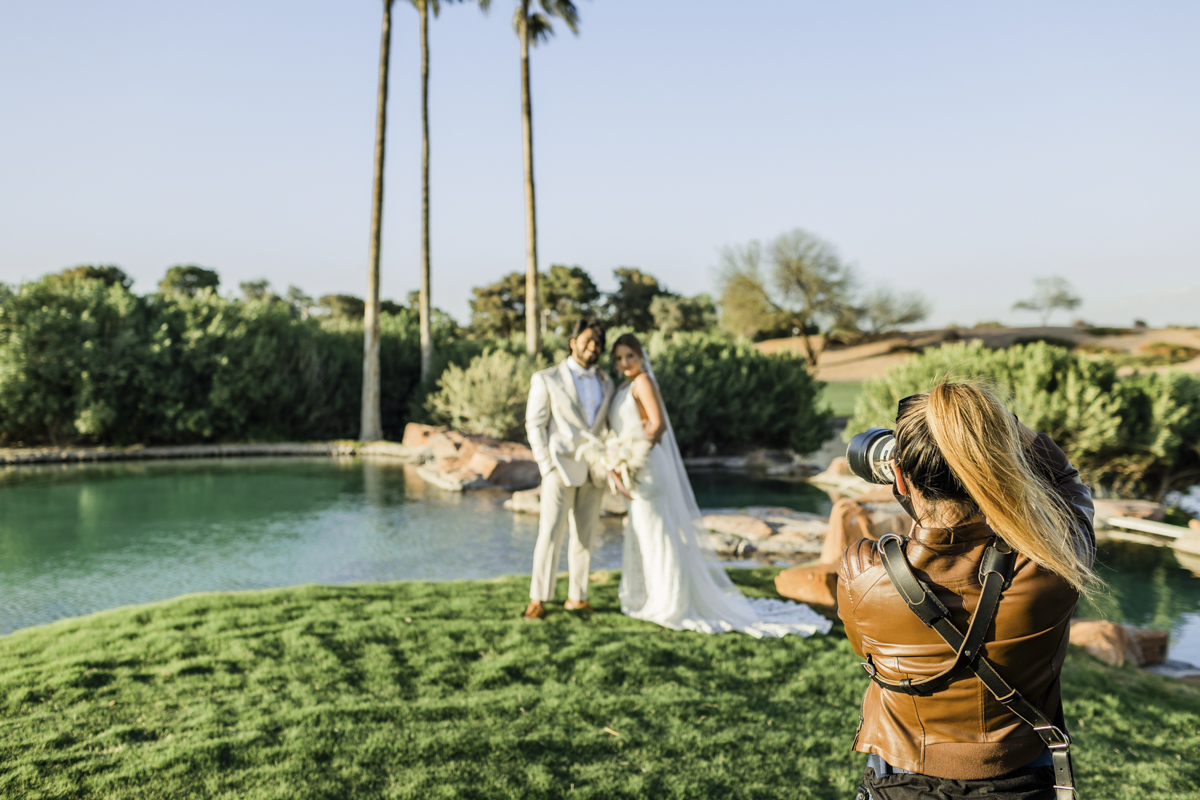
x,y
988,496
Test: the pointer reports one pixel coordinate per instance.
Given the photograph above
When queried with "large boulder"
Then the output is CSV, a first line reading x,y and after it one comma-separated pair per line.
x,y
459,461
1115,644
746,527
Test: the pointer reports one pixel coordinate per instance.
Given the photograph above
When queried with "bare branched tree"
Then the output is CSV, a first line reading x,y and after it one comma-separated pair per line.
x,y
805,286
1050,294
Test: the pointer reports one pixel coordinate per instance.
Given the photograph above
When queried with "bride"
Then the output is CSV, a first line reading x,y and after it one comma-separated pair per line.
x,y
669,574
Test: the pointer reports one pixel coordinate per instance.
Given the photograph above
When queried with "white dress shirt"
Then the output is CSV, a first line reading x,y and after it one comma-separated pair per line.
x,y
588,387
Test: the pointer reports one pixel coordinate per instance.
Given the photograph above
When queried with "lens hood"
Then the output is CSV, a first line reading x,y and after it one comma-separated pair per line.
x,y
868,453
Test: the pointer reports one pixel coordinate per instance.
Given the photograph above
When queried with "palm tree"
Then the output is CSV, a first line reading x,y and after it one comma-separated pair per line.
x,y
533,27
423,7
372,426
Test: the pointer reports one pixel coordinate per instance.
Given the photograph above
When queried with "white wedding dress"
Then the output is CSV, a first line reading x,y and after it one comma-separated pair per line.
x,y
669,573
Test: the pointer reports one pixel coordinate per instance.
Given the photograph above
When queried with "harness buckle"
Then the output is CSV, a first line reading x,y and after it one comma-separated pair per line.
x,y
1065,737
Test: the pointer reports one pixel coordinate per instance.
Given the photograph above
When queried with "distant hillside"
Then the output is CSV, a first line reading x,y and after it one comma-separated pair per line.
x,y
1138,346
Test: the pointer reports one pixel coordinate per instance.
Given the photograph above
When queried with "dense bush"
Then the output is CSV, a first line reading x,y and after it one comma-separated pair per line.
x,y
488,396
723,395
85,361
1137,435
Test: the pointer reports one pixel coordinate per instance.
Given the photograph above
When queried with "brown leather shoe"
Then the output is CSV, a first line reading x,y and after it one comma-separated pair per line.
x,y
535,611
578,605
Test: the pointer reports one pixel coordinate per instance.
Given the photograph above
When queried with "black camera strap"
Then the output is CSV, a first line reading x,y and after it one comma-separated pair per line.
x,y
995,574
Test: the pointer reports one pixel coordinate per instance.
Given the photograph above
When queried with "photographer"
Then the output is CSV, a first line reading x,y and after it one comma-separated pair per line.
x,y
964,623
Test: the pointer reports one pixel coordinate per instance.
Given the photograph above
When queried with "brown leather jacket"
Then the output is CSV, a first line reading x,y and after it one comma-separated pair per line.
x,y
961,732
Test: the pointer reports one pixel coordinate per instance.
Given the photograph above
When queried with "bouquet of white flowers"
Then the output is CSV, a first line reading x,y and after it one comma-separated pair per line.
x,y
617,459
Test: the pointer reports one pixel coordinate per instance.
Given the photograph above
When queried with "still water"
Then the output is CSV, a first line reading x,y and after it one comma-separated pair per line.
x,y
81,538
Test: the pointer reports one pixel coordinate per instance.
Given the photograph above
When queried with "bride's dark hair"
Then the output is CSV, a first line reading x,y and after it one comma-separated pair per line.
x,y
630,341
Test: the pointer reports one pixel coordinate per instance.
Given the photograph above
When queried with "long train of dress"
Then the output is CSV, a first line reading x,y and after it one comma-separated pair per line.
x,y
669,573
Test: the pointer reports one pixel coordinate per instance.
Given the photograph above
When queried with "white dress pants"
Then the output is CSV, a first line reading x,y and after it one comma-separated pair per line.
x,y
574,508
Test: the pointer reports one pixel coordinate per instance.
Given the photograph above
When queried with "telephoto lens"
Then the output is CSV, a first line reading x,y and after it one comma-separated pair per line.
x,y
869,454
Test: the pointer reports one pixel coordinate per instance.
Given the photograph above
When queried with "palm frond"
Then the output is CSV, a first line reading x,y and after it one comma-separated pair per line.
x,y
564,10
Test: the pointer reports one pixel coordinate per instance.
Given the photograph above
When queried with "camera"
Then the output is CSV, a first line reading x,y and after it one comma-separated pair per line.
x,y
869,454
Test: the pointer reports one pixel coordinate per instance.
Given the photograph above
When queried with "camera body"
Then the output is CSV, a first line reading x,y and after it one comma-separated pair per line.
x,y
869,455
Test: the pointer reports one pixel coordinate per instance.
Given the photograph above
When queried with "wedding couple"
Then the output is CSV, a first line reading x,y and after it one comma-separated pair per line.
x,y
669,573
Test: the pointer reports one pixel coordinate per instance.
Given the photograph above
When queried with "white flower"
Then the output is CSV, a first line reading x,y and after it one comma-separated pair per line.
x,y
621,455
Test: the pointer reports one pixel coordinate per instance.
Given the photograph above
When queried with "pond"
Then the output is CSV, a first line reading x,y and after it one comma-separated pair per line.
x,y
81,538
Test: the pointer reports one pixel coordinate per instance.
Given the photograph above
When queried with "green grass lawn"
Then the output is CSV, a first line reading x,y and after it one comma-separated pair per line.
x,y
422,690
840,396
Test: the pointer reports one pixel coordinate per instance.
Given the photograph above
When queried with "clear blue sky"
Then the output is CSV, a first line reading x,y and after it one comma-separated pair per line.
x,y
962,149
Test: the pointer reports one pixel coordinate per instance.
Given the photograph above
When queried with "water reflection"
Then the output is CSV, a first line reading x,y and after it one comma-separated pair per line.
x,y
1148,587
80,538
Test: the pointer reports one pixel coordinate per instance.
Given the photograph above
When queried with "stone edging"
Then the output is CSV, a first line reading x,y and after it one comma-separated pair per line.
x,y
139,453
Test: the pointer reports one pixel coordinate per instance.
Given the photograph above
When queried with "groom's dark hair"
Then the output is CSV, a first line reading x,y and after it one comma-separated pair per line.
x,y
583,323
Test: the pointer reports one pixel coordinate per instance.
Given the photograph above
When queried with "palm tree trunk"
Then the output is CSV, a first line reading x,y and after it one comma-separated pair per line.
x,y
426,308
372,426
533,338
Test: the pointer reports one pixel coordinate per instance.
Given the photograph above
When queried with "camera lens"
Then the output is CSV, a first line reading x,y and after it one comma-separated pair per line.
x,y
868,454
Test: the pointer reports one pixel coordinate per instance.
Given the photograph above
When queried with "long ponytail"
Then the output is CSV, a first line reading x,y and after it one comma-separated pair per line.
x,y
987,468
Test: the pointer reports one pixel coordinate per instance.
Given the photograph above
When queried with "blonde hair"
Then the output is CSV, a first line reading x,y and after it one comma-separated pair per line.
x,y
961,446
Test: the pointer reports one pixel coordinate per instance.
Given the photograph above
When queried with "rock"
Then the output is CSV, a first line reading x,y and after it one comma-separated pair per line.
x,y
839,466
1188,543
812,529
738,525
417,435
1150,644
781,545
1115,644
1137,509
526,502
1194,524
451,481
1179,670
505,470
530,502
1107,641
815,584
728,545
889,517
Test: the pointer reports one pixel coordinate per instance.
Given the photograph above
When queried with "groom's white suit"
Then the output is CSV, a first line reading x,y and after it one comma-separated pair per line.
x,y
555,420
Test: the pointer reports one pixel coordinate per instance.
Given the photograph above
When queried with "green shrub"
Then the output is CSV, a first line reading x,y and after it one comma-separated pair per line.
x,y
723,395
488,396
1138,435
85,361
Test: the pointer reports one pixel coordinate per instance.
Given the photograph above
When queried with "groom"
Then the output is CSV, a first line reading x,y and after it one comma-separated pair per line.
x,y
564,402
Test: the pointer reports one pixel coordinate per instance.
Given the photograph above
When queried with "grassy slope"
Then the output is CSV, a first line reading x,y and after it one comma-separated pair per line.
x,y
840,396
330,692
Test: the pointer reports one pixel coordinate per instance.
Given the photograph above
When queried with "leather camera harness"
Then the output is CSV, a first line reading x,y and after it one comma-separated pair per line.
x,y
995,575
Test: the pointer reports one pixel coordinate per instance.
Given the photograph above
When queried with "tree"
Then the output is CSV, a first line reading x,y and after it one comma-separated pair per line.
x,y
109,274
1050,294
533,27
299,300
568,293
630,303
807,287
256,290
342,306
498,309
371,427
885,310
424,305
674,314
189,280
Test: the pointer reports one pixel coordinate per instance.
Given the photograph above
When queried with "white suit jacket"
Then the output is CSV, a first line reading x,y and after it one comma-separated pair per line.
x,y
555,422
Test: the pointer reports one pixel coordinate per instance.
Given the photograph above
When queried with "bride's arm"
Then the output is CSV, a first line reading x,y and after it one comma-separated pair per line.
x,y
645,391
